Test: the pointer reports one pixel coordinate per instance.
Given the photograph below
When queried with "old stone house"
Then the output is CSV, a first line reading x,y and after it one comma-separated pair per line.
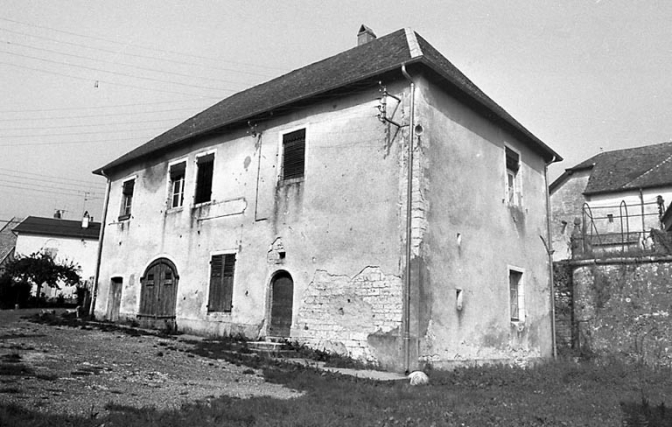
x,y
614,198
375,203
65,240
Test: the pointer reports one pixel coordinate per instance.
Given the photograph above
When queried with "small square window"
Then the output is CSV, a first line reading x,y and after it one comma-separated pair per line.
x,y
126,199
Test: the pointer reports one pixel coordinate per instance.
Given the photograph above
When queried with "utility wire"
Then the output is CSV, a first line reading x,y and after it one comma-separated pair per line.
x,y
105,81
140,46
116,73
16,179
88,141
49,188
79,133
132,113
107,61
47,176
96,107
95,124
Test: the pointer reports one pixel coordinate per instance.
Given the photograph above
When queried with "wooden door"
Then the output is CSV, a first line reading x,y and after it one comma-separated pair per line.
x,y
114,303
159,290
282,296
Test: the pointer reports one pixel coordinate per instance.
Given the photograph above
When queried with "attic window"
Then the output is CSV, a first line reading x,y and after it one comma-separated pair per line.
x,y
205,167
294,154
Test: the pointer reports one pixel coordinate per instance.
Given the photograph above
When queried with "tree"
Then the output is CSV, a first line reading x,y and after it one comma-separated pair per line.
x,y
41,269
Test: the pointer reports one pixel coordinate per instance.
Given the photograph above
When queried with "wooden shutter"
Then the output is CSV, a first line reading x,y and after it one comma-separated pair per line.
x,y
512,160
222,269
294,157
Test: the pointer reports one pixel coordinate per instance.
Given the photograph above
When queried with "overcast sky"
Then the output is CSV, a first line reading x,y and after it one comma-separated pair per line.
x,y
84,81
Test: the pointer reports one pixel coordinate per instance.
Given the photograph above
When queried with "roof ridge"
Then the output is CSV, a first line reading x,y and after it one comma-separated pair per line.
x,y
413,45
648,171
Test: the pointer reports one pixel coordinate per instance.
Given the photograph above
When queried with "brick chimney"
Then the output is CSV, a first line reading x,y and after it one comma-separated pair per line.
x,y
365,35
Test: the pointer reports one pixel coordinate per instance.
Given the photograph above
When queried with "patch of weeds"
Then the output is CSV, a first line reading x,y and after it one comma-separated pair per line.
x,y
46,377
248,372
87,370
16,369
11,358
10,390
116,407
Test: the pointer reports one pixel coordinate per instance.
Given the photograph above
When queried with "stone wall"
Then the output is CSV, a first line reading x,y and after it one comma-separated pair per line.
x,y
622,308
340,314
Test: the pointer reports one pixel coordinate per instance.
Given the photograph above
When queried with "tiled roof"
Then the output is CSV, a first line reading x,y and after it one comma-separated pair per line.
x,y
7,238
58,228
628,169
356,65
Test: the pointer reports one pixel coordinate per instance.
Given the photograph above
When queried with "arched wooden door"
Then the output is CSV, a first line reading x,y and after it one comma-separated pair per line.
x,y
159,294
282,296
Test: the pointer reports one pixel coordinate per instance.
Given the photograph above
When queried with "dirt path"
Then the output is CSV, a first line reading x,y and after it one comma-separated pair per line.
x,y
74,370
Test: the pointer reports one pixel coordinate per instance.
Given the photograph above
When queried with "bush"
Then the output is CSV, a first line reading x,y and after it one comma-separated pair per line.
x,y
12,293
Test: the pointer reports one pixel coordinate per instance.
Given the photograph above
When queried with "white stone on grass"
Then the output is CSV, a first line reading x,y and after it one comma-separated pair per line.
x,y
418,378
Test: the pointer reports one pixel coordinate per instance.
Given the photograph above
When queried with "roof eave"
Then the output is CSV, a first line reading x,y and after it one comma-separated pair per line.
x,y
244,118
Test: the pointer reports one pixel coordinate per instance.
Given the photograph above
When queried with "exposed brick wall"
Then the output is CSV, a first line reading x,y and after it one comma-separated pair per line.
x,y
338,313
622,308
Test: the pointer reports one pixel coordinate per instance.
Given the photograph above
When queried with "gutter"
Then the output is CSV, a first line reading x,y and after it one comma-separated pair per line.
x,y
409,223
96,277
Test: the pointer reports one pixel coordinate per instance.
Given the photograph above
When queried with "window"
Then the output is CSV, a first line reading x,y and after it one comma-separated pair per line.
x,y
512,185
516,295
177,184
294,154
205,166
126,199
221,282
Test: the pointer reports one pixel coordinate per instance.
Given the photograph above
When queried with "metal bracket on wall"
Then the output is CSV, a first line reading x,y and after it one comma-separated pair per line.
x,y
383,106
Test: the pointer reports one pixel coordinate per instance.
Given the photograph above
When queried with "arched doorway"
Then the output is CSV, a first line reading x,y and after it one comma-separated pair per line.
x,y
159,294
282,297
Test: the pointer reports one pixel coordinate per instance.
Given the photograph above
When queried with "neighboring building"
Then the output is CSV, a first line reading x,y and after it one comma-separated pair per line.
x,y
7,242
283,211
617,196
65,240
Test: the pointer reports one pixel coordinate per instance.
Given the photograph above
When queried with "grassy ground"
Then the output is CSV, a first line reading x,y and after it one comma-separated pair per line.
x,y
554,394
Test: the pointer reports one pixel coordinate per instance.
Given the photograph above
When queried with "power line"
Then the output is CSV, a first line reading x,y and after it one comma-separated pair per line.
x,y
47,176
141,46
96,107
5,186
78,133
94,124
116,73
88,58
103,81
63,185
59,186
25,144
23,119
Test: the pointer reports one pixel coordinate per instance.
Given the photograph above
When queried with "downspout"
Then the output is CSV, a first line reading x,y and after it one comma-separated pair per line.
x,y
549,251
409,231
96,277
641,204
